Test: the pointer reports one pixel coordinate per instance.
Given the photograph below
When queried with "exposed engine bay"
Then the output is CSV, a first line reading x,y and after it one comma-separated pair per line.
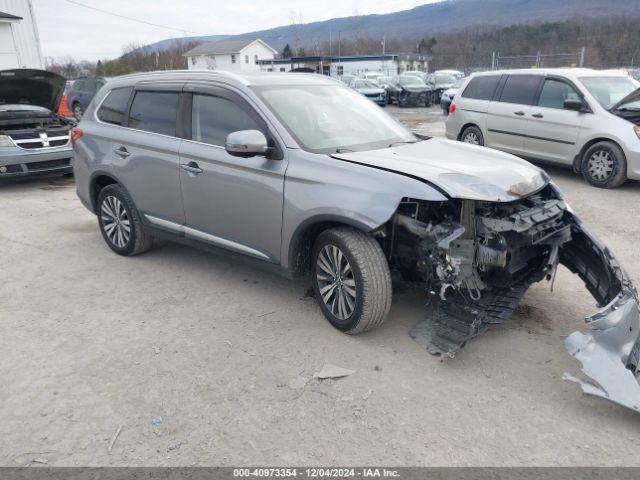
x,y
480,258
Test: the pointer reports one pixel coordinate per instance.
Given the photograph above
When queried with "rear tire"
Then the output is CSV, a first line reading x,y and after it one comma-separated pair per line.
x,y
351,279
604,165
472,135
120,222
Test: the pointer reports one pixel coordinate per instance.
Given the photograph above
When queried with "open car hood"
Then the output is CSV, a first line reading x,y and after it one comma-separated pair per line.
x,y
31,87
460,170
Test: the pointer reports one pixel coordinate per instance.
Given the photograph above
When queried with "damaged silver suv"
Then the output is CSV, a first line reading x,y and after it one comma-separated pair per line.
x,y
302,173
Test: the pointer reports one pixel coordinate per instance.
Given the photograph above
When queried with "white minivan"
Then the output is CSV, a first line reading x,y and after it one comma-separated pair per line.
x,y
587,119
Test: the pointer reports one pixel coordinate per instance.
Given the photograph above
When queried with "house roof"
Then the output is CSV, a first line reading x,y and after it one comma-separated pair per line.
x,y
8,16
223,47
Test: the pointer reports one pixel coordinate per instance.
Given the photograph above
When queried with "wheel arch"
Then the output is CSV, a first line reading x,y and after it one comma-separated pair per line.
x,y
467,125
578,161
98,181
305,235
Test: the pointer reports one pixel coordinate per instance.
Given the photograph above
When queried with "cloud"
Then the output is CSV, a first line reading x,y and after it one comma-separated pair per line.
x,y
71,30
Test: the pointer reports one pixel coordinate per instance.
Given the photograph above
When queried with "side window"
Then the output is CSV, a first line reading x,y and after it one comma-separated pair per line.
x,y
114,106
78,86
233,59
213,118
520,89
555,92
154,112
246,59
481,88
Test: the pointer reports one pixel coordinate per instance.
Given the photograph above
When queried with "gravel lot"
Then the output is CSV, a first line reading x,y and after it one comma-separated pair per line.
x,y
222,353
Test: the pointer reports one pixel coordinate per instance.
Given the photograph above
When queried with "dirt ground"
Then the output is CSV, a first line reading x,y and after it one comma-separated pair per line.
x,y
222,356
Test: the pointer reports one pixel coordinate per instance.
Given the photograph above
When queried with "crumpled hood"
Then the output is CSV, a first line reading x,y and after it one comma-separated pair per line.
x,y
31,87
459,169
414,89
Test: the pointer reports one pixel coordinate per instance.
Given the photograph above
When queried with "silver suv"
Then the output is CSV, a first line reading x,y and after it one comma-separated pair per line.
x,y
303,174
583,118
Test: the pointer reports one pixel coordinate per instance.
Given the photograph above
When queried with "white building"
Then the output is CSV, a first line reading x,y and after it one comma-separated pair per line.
x,y
19,40
230,55
390,65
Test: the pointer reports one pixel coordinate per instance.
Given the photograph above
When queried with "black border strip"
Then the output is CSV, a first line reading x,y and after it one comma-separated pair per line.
x,y
531,136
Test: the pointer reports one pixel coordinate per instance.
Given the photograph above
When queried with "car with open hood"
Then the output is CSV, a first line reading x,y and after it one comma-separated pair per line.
x,y
585,119
409,91
302,175
34,139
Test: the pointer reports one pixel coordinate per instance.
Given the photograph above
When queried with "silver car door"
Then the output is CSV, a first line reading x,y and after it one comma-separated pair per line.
x,y
230,202
553,130
508,116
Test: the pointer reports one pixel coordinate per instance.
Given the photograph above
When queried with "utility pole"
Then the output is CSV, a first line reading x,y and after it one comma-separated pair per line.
x,y
582,50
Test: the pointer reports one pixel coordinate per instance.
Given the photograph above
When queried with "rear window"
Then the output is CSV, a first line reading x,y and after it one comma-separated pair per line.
x,y
520,89
114,106
154,112
481,88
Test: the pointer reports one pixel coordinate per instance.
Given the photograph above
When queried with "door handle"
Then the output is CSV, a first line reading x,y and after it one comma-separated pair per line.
x,y
519,113
191,167
537,115
122,152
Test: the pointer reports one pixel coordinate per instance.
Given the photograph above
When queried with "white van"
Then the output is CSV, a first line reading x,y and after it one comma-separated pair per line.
x,y
583,118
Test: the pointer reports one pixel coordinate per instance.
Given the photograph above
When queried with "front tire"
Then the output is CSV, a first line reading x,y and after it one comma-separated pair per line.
x,y
351,279
120,222
604,165
472,135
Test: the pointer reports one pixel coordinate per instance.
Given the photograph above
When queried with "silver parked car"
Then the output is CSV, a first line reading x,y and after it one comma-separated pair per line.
x,y
302,174
585,119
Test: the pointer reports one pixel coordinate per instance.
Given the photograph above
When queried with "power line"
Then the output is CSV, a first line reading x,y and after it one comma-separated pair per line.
x,y
74,2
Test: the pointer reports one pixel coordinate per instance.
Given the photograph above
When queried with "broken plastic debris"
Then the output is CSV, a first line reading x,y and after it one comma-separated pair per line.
x,y
333,371
157,421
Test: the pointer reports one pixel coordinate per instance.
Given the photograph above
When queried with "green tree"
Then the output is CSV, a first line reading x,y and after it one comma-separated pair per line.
x,y
286,51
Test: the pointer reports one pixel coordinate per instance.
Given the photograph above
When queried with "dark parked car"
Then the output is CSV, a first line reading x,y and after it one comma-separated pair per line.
x,y
82,92
447,96
409,91
439,83
34,139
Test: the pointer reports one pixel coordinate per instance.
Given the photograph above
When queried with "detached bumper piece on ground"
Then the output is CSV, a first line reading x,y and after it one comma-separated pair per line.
x,y
481,265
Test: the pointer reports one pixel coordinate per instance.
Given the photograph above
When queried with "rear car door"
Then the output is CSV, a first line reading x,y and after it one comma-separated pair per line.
x,y
145,154
552,130
230,202
509,113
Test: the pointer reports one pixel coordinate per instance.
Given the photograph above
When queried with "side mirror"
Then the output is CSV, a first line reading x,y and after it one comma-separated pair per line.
x,y
575,105
246,143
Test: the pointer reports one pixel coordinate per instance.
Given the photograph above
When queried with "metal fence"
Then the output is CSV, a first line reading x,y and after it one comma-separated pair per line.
x,y
540,60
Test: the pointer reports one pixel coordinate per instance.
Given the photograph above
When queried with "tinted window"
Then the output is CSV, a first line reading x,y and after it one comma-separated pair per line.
x,y
520,89
154,112
554,93
481,88
213,118
113,108
78,85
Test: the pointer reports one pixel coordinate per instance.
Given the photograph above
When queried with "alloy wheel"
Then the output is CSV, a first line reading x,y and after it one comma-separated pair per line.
x,y
600,165
471,138
336,282
115,221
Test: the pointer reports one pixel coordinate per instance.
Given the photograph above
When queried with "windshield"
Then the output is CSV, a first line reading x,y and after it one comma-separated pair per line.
x,y
332,118
609,90
444,79
411,81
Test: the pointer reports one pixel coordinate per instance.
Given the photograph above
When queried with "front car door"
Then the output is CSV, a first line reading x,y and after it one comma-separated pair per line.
x,y
230,202
146,153
508,114
552,130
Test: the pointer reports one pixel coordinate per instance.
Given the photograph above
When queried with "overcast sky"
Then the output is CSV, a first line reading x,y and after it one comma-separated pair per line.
x,y
68,29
